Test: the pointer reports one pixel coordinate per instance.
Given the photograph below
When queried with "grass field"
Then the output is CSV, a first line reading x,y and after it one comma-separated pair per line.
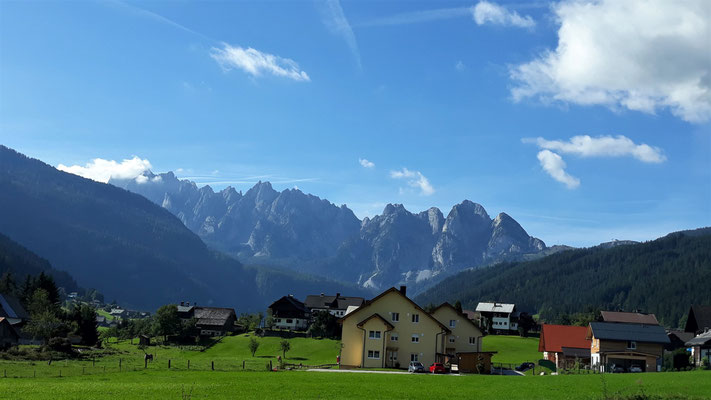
x,y
227,355
320,385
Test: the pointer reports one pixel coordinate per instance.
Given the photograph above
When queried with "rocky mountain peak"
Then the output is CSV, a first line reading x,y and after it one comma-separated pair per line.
x,y
394,209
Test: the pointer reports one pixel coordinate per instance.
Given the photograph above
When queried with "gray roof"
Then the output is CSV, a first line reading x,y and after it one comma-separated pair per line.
x,y
495,307
213,313
701,340
622,332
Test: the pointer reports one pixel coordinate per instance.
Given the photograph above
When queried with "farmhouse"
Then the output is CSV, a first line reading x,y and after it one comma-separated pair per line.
x,y
700,348
335,305
390,331
290,313
565,345
498,317
626,345
214,321
698,320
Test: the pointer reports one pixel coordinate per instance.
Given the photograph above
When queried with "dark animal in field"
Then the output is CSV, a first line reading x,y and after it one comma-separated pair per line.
x,y
148,357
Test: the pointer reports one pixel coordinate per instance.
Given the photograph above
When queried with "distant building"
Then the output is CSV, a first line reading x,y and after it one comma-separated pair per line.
x,y
498,317
565,345
290,313
335,305
8,335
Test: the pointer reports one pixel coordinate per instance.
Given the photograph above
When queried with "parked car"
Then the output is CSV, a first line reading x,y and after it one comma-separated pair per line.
x,y
416,366
636,368
617,369
525,366
438,368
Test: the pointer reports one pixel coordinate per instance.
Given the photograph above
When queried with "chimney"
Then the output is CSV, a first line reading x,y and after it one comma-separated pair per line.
x,y
182,303
403,290
338,295
321,294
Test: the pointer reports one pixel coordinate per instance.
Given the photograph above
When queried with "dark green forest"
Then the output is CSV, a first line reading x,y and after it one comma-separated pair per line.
x,y
664,277
127,247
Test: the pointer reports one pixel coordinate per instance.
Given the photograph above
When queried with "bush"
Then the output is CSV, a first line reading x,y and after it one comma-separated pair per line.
x,y
60,344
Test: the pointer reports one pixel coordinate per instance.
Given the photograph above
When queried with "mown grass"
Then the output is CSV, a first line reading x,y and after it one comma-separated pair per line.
x,y
512,349
319,385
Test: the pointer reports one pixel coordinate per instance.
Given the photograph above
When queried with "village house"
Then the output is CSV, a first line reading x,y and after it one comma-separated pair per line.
x,y
565,345
289,313
627,346
698,319
463,345
12,310
390,331
335,305
700,348
498,317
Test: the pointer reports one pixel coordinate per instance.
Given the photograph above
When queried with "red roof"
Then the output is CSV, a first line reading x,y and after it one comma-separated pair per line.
x,y
554,337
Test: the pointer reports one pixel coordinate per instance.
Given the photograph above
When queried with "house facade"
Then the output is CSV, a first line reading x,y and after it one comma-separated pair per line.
x,y
289,313
8,336
498,317
390,331
335,305
626,345
464,336
565,345
699,319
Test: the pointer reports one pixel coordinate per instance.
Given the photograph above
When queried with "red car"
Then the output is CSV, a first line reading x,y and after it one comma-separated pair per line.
x,y
437,368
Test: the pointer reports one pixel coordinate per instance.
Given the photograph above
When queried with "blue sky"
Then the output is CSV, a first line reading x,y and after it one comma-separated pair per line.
x,y
487,101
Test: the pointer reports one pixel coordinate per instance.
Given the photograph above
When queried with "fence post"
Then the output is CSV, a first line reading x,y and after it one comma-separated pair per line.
x,y
145,362
242,364
169,363
213,365
188,364
270,365
120,361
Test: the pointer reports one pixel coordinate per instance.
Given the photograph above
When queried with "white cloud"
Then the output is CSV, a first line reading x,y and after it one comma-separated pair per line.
x,y
603,146
554,165
459,66
102,170
484,12
336,21
641,55
365,163
256,63
414,179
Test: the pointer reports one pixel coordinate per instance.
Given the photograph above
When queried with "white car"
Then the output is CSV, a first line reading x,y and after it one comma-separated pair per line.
x,y
635,368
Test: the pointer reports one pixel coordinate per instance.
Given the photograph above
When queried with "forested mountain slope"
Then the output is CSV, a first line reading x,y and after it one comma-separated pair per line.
x,y
664,277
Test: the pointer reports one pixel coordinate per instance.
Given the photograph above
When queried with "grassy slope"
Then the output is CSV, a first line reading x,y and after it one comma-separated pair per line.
x,y
512,349
264,385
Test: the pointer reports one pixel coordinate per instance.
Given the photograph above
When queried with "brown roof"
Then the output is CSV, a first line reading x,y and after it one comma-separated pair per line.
x,y
629,317
392,289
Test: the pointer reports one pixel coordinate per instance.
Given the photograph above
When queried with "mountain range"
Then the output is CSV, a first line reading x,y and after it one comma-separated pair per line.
x,y
129,248
303,232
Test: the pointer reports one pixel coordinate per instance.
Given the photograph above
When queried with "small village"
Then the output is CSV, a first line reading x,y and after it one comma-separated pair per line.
x,y
392,332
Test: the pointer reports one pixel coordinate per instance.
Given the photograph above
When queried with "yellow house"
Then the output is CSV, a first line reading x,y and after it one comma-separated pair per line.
x,y
464,336
390,331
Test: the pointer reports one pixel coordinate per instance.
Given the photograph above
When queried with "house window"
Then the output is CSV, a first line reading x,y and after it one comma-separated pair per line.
x,y
632,345
415,338
472,340
393,356
395,317
414,357
452,323
374,334
394,337
451,339
415,318
375,354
